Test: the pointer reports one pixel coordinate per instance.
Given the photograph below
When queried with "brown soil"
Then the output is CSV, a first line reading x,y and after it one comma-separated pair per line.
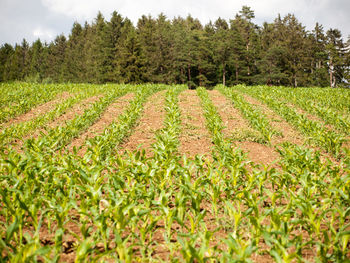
x,y
279,124
290,134
310,116
230,116
151,121
257,152
77,109
260,153
70,114
194,137
39,110
110,115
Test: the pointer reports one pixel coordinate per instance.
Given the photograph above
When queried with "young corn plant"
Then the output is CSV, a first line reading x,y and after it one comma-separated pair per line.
x,y
329,140
19,130
256,118
168,207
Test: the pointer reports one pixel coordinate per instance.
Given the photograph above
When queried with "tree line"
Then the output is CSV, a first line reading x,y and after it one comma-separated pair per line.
x,y
182,50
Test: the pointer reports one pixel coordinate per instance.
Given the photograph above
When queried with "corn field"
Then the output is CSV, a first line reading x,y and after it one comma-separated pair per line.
x,y
234,174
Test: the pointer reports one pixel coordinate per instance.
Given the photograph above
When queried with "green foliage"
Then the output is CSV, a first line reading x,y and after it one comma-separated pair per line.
x,y
164,206
19,130
182,50
317,133
256,118
20,97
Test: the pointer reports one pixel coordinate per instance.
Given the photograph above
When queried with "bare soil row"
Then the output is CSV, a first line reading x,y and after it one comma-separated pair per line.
x,y
194,138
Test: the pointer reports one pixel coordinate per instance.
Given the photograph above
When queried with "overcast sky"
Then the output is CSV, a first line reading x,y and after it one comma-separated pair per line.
x,y
45,19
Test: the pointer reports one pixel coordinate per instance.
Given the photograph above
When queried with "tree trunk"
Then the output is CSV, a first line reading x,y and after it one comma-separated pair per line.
x,y
236,74
331,80
224,75
181,75
189,72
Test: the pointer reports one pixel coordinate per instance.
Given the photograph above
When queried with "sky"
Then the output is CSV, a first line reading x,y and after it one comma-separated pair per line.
x,y
45,19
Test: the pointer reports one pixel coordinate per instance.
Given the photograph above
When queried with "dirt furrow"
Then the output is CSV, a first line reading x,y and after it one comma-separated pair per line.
x,y
235,126
70,114
290,134
328,127
243,135
311,116
77,109
39,110
278,123
151,120
194,137
111,114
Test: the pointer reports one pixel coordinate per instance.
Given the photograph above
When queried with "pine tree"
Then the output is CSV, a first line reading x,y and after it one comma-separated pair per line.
x,y
319,71
129,65
237,61
222,47
248,33
115,27
74,65
336,50
25,59
56,58
6,54
146,30
103,48
180,65
347,63
193,31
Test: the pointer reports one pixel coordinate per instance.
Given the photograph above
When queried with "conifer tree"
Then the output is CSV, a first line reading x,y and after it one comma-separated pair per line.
x,y
130,67
319,71
74,62
222,47
335,49
6,53
182,50
56,58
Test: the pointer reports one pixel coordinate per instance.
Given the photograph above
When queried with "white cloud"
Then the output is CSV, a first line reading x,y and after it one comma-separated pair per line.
x,y
307,11
42,33
47,18
82,9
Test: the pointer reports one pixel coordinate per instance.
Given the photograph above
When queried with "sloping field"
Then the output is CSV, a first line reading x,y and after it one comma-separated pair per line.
x,y
154,173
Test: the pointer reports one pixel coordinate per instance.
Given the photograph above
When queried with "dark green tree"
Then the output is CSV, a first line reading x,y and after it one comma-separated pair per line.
x,y
6,56
56,58
319,70
129,65
243,26
222,47
37,62
74,61
335,49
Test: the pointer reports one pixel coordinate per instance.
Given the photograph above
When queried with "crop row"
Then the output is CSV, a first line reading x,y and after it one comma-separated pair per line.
x,y
25,97
57,138
101,146
340,121
317,133
134,207
335,99
18,130
255,117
